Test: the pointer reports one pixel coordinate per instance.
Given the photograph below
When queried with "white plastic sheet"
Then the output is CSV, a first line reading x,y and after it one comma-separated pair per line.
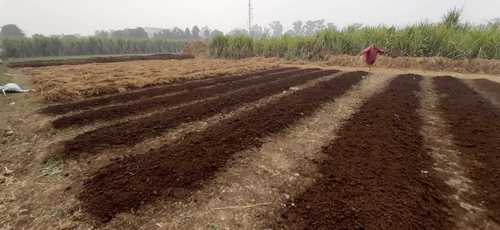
x,y
12,88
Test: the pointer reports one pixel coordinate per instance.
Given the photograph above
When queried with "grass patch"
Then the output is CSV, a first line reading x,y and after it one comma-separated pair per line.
x,y
212,227
51,167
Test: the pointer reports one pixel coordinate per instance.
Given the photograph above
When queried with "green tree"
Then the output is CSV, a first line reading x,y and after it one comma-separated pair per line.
x,y
297,28
11,31
195,32
206,32
216,33
277,28
187,33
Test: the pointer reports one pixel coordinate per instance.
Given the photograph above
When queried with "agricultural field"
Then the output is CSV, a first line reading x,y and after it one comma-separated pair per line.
x,y
249,144
57,84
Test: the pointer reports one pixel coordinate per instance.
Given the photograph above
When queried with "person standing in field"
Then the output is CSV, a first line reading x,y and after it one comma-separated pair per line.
x,y
370,55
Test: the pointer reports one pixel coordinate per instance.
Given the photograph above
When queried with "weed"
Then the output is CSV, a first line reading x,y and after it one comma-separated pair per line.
x,y
51,167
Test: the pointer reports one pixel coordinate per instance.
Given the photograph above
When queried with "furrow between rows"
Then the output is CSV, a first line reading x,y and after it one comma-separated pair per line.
x,y
376,174
133,132
475,126
150,92
147,105
173,172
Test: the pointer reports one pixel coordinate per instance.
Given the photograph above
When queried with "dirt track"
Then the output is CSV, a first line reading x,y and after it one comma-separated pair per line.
x,y
376,175
146,105
173,172
132,132
475,124
150,92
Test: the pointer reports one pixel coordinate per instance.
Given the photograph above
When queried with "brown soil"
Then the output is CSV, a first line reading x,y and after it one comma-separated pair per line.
x,y
475,128
251,189
466,213
491,89
110,59
173,172
377,174
133,132
151,92
151,104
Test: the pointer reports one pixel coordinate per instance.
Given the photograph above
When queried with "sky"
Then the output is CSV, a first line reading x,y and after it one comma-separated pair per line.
x,y
86,16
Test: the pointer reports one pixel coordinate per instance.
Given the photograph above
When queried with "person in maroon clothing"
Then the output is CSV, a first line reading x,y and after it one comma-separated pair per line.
x,y
370,55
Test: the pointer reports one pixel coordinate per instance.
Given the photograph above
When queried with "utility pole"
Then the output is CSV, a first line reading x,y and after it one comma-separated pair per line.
x,y
250,17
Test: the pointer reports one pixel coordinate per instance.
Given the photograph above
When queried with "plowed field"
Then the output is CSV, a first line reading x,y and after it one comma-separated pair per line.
x,y
280,148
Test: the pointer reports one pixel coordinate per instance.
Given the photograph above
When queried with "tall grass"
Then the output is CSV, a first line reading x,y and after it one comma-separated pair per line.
x,y
41,46
448,38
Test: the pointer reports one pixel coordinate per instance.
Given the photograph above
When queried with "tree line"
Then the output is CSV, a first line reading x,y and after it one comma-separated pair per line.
x,y
195,33
175,33
276,29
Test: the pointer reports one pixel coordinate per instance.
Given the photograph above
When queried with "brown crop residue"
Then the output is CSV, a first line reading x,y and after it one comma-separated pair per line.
x,y
57,84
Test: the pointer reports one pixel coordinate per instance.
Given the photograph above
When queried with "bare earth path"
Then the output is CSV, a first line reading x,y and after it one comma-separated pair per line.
x,y
376,175
467,213
260,181
128,183
475,123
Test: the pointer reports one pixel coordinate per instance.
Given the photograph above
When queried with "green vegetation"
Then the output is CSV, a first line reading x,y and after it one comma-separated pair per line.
x,y
51,167
41,46
449,38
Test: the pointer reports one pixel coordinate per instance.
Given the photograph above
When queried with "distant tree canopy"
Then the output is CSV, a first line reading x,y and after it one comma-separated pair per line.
x,y
187,34
175,33
195,32
276,28
309,28
137,33
216,33
11,31
494,23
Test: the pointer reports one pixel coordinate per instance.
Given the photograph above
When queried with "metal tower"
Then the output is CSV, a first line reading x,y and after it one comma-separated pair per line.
x,y
250,17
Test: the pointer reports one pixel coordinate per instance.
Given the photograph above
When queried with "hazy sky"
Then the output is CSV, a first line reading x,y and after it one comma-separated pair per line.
x,y
86,16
